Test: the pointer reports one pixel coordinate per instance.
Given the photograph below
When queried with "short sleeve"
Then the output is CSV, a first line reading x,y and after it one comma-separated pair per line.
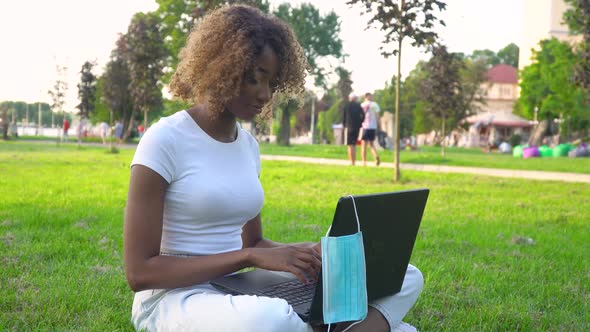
x,y
377,109
156,151
256,152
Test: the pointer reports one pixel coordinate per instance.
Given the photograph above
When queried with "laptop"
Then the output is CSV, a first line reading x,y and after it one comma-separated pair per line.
x,y
389,222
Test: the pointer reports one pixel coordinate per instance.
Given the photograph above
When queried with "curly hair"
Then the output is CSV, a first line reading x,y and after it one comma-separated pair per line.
x,y
222,49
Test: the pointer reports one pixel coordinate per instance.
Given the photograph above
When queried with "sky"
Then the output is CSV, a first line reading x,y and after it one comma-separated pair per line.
x,y
37,35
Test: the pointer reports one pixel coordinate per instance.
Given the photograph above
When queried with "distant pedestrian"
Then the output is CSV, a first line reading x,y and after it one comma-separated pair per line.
x,y
80,130
352,119
119,132
370,126
140,130
66,128
104,130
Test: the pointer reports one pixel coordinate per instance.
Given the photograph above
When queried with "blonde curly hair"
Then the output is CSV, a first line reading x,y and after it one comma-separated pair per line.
x,y
222,49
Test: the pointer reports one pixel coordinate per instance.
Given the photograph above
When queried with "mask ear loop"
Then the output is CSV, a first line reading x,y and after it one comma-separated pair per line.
x,y
358,225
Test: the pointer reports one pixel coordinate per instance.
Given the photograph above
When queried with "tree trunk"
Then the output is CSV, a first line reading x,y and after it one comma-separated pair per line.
x,y
145,119
4,124
396,171
285,132
444,120
129,124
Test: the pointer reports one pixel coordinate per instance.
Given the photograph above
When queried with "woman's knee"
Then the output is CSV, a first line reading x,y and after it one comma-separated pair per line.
x,y
414,280
270,315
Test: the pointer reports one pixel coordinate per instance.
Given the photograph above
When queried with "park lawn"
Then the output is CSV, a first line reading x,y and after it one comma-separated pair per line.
x,y
432,155
61,212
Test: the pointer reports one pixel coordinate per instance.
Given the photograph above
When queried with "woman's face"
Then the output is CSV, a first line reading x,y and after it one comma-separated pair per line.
x,y
257,86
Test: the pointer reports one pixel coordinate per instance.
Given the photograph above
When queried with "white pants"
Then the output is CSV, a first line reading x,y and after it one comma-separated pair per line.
x,y
204,308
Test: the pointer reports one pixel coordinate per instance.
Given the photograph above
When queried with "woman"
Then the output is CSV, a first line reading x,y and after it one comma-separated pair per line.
x,y
193,209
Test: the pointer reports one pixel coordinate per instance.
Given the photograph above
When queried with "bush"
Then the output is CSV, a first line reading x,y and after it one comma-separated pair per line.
x,y
515,140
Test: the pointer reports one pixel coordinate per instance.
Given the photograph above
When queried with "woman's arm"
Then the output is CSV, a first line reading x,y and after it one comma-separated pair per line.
x,y
144,267
301,259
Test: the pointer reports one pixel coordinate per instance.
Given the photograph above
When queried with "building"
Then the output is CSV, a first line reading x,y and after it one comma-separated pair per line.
x,y
495,122
501,89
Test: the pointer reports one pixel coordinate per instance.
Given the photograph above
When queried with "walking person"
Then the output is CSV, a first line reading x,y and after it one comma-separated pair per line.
x,y
66,128
352,119
370,126
119,132
195,196
104,131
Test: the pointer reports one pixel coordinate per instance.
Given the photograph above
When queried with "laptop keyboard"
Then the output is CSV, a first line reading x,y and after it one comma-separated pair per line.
x,y
294,292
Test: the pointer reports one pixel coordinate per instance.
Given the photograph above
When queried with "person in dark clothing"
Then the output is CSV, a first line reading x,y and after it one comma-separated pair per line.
x,y
352,119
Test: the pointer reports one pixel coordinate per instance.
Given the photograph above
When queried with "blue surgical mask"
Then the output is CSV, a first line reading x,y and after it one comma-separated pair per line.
x,y
344,277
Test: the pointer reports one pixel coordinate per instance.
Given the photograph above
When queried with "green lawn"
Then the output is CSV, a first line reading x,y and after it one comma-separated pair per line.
x,y
61,212
432,155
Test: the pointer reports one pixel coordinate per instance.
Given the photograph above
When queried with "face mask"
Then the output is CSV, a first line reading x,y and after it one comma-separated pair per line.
x,y
344,277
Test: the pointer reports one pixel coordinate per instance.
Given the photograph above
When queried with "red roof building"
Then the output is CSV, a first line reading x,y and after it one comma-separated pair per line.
x,y
503,74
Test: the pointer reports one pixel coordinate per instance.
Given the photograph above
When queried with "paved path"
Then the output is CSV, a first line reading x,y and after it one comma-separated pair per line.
x,y
497,172
509,173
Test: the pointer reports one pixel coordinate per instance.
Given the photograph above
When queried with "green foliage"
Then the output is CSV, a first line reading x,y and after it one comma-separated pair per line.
x,y
59,90
87,90
423,122
344,84
515,140
507,55
547,84
101,113
473,75
177,17
145,56
401,19
442,88
577,18
20,108
328,118
319,37
115,84
172,106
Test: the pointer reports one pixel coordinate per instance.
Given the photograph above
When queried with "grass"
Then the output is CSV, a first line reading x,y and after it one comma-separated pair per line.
x,y
61,215
432,155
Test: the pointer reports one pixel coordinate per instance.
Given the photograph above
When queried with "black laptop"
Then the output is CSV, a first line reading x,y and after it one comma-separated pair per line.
x,y
389,222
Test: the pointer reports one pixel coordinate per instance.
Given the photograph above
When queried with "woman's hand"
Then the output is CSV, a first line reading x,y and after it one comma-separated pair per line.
x,y
304,260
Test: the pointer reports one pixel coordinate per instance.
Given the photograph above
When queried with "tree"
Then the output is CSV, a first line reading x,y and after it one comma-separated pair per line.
x,y
331,102
509,55
115,84
473,75
145,56
319,38
401,19
4,123
577,18
101,113
86,90
442,87
487,56
58,93
547,85
177,17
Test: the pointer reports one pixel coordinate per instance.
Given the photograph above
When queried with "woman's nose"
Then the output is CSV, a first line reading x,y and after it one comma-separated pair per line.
x,y
264,94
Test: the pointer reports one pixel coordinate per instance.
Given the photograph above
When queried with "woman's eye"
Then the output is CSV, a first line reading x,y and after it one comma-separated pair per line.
x,y
250,78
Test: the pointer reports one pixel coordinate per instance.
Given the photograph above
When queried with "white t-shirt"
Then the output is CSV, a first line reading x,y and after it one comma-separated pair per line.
x,y
214,187
371,109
